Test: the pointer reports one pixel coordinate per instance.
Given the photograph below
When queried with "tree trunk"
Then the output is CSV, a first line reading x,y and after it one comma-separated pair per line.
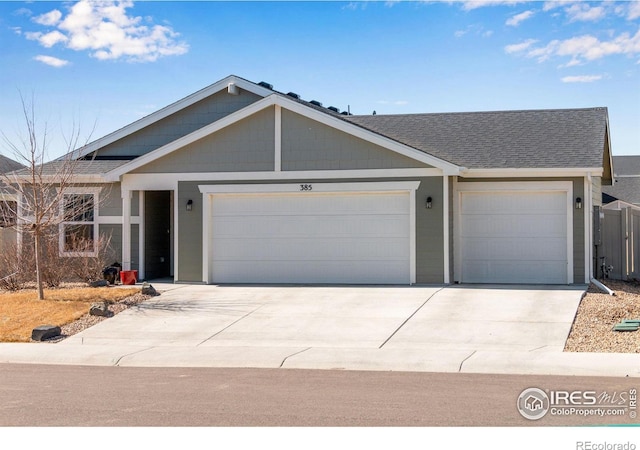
x,y
39,286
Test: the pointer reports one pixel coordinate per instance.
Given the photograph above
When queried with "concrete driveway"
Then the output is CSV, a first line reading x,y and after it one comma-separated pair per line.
x,y
472,329
450,318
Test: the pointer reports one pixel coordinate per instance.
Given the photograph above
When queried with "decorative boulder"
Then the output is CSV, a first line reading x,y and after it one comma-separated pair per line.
x,y
148,289
99,309
44,332
99,283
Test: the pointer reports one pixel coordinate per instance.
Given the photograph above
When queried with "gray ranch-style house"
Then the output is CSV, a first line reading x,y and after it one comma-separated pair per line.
x,y
239,183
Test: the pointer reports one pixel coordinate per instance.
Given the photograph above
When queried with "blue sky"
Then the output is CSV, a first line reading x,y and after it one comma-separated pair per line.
x,y
101,65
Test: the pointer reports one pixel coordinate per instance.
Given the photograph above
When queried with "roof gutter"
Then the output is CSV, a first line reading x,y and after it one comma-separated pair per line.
x,y
531,172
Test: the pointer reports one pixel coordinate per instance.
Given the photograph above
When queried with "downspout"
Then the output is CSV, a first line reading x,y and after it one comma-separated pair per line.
x,y
588,194
602,287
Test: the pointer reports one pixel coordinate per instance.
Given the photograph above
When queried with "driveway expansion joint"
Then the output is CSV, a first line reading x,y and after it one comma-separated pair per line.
x,y
409,318
292,355
229,326
465,360
117,363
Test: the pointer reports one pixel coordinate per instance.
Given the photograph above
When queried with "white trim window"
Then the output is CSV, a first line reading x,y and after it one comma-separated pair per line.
x,y
8,210
78,232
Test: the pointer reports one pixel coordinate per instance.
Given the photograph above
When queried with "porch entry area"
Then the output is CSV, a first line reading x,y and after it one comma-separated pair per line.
x,y
158,234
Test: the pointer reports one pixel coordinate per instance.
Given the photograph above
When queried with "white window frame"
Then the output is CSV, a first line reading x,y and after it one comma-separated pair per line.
x,y
95,191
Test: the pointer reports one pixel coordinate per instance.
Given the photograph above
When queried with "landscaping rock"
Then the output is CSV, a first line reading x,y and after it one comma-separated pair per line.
x,y
99,283
44,332
148,289
100,309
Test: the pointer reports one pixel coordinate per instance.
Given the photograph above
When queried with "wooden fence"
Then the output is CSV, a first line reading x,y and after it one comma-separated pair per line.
x,y
619,248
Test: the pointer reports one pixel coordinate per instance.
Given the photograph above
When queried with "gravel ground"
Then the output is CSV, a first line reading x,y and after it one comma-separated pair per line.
x,y
598,312
87,321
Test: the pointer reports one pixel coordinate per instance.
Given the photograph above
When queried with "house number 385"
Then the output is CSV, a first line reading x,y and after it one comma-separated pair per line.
x,y
306,187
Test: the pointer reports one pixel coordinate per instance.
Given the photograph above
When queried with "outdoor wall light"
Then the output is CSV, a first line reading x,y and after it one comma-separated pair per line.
x,y
189,205
429,204
578,203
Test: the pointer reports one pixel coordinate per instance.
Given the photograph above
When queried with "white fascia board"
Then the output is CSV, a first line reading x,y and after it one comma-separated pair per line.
x,y
524,172
369,136
171,109
192,137
383,186
532,186
162,181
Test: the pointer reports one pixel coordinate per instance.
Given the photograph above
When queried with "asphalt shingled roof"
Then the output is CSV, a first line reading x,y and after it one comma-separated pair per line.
x,y
627,179
9,165
560,138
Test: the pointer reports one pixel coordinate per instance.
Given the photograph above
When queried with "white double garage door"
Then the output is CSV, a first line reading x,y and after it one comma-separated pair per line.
x,y
357,234
351,233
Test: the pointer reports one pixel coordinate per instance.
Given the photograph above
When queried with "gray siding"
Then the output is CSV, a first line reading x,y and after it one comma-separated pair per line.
x,y
578,218
110,203
179,124
596,191
309,145
429,229
114,234
135,245
247,145
429,232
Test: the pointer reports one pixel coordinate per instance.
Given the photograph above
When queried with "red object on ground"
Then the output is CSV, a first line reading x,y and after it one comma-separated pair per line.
x,y
128,276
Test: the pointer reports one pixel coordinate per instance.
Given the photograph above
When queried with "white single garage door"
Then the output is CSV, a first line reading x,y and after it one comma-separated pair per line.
x,y
514,237
355,238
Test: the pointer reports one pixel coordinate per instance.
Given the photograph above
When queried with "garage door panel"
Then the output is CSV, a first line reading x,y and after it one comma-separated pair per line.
x,y
526,272
345,272
514,237
310,238
299,249
510,203
529,225
514,249
309,204
316,225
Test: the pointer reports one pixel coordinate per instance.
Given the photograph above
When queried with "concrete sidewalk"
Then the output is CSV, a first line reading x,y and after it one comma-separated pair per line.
x,y
489,329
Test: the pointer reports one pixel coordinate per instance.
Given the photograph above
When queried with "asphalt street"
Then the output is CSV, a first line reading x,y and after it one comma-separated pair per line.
x,y
53,395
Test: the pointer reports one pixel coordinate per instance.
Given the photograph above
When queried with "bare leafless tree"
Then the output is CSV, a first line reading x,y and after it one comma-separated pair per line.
x,y
43,202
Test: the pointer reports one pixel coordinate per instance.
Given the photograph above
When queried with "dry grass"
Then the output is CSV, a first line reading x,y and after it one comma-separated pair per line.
x,y
592,329
21,312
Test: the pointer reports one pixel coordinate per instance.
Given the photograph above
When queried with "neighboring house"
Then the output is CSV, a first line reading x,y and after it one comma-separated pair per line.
x,y
8,200
618,252
626,187
238,183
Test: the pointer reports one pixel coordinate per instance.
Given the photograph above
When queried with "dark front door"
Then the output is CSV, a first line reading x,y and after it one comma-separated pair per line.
x,y
157,234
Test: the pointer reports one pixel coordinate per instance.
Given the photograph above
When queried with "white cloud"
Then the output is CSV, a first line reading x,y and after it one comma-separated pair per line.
x,y
582,79
475,29
517,48
514,21
583,12
474,4
580,48
50,39
634,10
49,19
107,32
51,61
